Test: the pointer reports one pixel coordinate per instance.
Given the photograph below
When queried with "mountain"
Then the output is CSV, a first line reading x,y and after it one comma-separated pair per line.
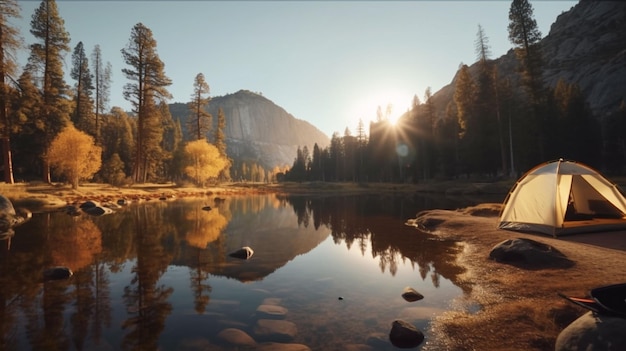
x,y
257,129
585,46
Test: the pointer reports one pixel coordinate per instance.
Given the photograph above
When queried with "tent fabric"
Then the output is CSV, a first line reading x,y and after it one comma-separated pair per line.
x,y
563,197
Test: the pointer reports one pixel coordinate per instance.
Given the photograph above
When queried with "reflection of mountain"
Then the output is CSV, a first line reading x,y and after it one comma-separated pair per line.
x,y
273,234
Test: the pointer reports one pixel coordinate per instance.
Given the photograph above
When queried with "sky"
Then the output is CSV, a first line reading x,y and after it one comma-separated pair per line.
x,y
331,63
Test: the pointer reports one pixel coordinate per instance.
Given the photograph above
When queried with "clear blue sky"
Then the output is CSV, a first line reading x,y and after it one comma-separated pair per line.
x,y
329,63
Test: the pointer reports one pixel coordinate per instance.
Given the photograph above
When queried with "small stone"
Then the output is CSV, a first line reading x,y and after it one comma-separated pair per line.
x,y
244,253
271,312
411,295
57,273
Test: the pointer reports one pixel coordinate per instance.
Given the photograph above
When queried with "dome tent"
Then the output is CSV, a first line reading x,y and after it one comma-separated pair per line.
x,y
563,197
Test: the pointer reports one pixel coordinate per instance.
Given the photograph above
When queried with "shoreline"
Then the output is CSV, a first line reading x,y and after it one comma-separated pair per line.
x,y
519,308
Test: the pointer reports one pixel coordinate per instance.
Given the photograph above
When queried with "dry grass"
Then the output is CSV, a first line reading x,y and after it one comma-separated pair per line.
x,y
520,307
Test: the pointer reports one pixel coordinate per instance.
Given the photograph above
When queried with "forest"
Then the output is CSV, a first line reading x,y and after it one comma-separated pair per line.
x,y
497,125
494,126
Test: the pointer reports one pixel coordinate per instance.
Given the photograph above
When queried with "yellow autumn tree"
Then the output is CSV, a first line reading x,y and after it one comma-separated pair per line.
x,y
204,161
74,155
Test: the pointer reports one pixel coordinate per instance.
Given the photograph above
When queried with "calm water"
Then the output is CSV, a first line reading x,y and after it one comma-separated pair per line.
x,y
157,275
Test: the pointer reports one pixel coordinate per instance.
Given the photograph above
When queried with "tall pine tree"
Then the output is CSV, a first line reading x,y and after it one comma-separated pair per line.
x,y
83,104
199,120
9,44
147,84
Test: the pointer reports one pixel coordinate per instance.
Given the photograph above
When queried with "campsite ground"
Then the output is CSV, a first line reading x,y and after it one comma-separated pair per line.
x,y
519,307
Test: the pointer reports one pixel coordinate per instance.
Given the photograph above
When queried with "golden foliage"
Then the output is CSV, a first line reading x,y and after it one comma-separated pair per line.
x,y
77,246
207,228
205,161
74,155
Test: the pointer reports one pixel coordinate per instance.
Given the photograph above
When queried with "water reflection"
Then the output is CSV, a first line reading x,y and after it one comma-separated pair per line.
x,y
157,275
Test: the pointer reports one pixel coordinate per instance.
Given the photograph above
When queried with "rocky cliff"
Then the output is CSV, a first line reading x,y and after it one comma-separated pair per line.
x,y
257,129
585,46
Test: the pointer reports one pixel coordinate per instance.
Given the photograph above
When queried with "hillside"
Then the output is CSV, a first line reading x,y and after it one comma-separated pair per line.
x,y
585,46
257,129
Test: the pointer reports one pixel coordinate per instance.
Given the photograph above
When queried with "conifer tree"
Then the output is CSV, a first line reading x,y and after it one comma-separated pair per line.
x,y
220,143
102,85
199,120
525,35
46,58
9,44
83,104
147,85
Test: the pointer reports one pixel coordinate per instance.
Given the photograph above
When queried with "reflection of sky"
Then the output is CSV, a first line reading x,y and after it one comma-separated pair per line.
x,y
307,269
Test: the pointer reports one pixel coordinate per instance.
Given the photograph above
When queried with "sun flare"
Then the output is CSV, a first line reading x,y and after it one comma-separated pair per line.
x,y
388,105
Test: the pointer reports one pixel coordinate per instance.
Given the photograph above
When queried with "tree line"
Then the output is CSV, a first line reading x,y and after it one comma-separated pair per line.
x,y
494,126
48,128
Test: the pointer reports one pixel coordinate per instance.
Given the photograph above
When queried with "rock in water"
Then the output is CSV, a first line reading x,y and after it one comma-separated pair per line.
x,y
244,253
411,294
404,335
57,273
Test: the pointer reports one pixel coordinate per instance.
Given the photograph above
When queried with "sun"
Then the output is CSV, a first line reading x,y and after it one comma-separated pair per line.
x,y
389,104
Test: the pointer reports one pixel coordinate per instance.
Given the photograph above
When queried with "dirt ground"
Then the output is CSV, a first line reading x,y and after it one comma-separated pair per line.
x,y
519,308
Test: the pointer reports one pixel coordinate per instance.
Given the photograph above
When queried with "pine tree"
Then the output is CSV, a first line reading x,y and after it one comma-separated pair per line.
x,y
46,57
469,131
9,44
148,84
199,120
102,85
83,107
220,143
525,35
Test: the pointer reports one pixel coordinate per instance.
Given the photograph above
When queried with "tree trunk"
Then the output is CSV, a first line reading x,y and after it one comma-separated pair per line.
x,y
8,161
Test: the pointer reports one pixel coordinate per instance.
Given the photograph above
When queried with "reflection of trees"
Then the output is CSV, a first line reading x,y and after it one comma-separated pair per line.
x,y
145,301
206,226
375,219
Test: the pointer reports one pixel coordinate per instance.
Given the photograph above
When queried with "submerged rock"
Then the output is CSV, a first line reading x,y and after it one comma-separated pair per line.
x,y
236,337
272,346
275,330
271,312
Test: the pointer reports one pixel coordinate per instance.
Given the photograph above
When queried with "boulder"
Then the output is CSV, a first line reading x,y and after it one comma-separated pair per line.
x,y
527,253
593,332
236,337
9,218
404,335
98,211
244,253
89,204
411,294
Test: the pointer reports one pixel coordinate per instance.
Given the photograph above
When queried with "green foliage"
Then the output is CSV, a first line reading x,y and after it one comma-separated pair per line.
x,y
113,171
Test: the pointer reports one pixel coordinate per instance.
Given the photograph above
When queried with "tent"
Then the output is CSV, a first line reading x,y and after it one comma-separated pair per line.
x,y
563,197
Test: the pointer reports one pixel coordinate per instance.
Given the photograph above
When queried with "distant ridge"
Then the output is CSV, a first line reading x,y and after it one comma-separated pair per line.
x,y
257,129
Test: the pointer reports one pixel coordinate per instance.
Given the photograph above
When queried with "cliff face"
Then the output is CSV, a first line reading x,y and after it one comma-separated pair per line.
x,y
257,129
585,46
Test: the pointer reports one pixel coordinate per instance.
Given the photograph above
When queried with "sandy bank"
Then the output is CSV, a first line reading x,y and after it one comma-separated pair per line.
x,y
518,307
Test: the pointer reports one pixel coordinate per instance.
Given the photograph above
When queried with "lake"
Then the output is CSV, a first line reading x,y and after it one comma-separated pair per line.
x,y
158,275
